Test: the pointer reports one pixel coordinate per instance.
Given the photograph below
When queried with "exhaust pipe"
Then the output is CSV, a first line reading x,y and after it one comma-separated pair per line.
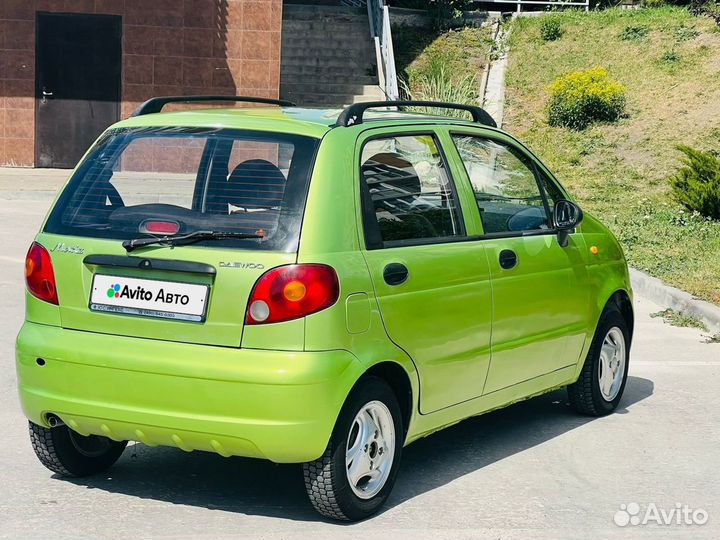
x,y
54,421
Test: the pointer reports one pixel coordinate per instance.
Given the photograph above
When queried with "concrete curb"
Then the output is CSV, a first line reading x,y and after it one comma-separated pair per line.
x,y
493,86
667,296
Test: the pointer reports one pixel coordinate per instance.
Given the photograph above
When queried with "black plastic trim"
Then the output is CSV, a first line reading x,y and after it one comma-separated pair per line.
x,y
508,259
144,263
457,239
353,115
395,274
156,104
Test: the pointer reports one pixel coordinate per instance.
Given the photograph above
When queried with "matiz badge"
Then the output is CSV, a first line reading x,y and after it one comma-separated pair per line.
x,y
62,248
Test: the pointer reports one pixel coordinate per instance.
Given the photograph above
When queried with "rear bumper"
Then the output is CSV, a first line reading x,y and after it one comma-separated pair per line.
x,y
268,404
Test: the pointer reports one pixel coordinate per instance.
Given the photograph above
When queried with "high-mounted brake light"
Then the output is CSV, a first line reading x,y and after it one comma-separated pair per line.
x,y
290,292
39,275
159,227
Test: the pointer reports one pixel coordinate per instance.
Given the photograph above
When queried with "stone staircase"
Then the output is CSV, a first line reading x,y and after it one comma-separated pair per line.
x,y
328,56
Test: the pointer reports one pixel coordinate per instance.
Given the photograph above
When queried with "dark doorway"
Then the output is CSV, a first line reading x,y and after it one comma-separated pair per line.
x,y
77,84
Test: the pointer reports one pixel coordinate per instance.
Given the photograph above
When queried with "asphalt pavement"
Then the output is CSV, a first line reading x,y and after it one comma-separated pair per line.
x,y
533,470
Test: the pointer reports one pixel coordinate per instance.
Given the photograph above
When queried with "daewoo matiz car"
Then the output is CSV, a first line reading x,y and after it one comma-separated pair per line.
x,y
310,286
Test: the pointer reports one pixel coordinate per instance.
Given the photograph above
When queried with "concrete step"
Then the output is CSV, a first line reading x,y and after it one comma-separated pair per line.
x,y
325,40
289,77
330,72
362,51
325,100
350,65
331,100
329,24
298,12
310,56
329,27
367,98
325,88
327,56
347,82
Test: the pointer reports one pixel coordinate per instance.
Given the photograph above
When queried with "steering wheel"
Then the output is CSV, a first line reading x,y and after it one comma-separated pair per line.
x,y
528,219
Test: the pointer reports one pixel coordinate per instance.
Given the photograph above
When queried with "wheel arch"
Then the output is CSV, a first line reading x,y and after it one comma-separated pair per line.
x,y
399,381
620,297
623,302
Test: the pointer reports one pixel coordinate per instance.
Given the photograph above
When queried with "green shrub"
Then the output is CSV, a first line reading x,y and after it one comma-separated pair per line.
x,y
683,33
670,57
697,184
634,33
550,29
578,99
710,8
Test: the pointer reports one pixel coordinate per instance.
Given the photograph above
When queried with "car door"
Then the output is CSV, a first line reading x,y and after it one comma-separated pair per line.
x,y
431,284
540,289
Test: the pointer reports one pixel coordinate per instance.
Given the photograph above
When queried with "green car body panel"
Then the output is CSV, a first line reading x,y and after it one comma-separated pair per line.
x,y
460,337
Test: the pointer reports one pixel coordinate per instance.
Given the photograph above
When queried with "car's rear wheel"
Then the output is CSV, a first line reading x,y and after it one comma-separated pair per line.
x,y
602,381
355,475
68,453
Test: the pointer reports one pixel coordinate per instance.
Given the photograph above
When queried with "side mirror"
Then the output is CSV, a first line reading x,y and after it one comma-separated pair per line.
x,y
566,216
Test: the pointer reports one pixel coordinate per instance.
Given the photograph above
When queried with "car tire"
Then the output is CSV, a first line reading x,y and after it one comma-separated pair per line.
x,y
594,394
371,405
68,453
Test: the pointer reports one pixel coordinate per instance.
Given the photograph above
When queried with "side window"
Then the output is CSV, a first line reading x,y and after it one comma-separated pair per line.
x,y
505,186
408,195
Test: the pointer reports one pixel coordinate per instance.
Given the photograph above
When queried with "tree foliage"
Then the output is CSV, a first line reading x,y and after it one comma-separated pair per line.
x,y
697,184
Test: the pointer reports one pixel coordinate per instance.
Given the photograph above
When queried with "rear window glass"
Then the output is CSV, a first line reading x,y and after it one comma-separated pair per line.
x,y
148,182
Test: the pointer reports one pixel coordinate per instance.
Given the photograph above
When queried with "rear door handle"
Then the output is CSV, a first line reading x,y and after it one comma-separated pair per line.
x,y
395,274
45,94
508,259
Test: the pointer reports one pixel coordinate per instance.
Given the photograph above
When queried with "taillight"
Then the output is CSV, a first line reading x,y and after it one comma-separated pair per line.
x,y
291,292
39,274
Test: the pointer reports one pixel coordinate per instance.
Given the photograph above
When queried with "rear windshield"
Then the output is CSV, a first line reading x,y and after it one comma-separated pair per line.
x,y
139,183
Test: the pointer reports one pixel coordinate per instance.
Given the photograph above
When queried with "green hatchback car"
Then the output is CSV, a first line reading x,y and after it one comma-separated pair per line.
x,y
310,286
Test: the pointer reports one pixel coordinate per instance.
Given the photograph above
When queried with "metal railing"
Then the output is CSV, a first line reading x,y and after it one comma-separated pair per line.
x,y
548,3
381,33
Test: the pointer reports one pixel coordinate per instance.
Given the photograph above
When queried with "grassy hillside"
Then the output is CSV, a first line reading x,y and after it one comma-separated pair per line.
x,y
669,61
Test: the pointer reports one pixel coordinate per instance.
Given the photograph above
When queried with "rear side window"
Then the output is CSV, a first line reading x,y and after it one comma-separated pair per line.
x,y
139,181
506,188
408,195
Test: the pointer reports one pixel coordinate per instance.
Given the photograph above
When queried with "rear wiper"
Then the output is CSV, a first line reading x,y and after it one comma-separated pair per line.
x,y
189,238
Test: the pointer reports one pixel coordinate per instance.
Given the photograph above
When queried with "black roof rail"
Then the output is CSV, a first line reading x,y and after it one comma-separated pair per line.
x,y
156,104
353,114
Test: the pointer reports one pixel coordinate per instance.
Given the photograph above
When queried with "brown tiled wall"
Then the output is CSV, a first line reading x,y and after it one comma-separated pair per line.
x,y
170,47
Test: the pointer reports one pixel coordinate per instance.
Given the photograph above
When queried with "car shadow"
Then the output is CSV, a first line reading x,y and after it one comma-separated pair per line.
x,y
258,487
477,442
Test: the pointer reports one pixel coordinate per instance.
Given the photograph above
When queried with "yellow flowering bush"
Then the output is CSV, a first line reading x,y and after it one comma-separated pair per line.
x,y
580,98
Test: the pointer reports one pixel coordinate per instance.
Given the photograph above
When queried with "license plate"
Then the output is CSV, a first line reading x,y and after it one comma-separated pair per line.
x,y
149,298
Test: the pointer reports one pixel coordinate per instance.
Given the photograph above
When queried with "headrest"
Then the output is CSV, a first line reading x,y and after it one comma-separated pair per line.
x,y
255,183
391,170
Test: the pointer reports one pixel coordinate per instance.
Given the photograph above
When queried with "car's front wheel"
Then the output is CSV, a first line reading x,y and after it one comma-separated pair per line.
x,y
600,386
68,453
355,475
